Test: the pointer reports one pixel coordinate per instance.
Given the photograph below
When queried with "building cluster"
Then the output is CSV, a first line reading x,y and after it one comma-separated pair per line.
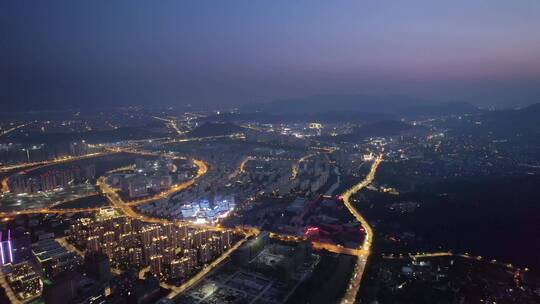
x,y
14,247
450,150
316,218
170,250
24,280
128,288
285,175
203,211
350,161
150,176
217,180
13,153
313,174
199,211
53,258
51,179
451,280
236,171
272,259
260,271
29,266
275,138
270,174
15,260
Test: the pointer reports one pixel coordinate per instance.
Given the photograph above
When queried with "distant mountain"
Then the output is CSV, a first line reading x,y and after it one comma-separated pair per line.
x,y
215,129
377,129
530,112
524,120
337,103
240,117
441,109
513,125
328,117
363,105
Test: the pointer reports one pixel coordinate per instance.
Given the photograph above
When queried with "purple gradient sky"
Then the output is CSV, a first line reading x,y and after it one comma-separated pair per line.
x,y
232,52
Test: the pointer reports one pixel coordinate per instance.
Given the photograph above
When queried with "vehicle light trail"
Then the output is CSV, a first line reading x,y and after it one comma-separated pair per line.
x,y
359,268
42,164
13,129
242,167
5,184
46,211
334,248
180,140
171,123
296,166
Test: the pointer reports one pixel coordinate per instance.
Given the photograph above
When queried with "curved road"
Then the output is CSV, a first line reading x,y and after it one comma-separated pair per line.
x,y
113,197
365,248
362,252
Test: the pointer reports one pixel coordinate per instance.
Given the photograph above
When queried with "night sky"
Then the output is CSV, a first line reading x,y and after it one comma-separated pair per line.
x,y
56,54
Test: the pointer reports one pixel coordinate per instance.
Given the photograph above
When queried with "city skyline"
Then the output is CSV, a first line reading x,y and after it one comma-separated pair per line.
x,y
269,152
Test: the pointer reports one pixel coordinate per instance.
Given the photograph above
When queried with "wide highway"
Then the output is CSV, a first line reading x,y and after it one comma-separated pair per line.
x,y
41,164
365,248
4,132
